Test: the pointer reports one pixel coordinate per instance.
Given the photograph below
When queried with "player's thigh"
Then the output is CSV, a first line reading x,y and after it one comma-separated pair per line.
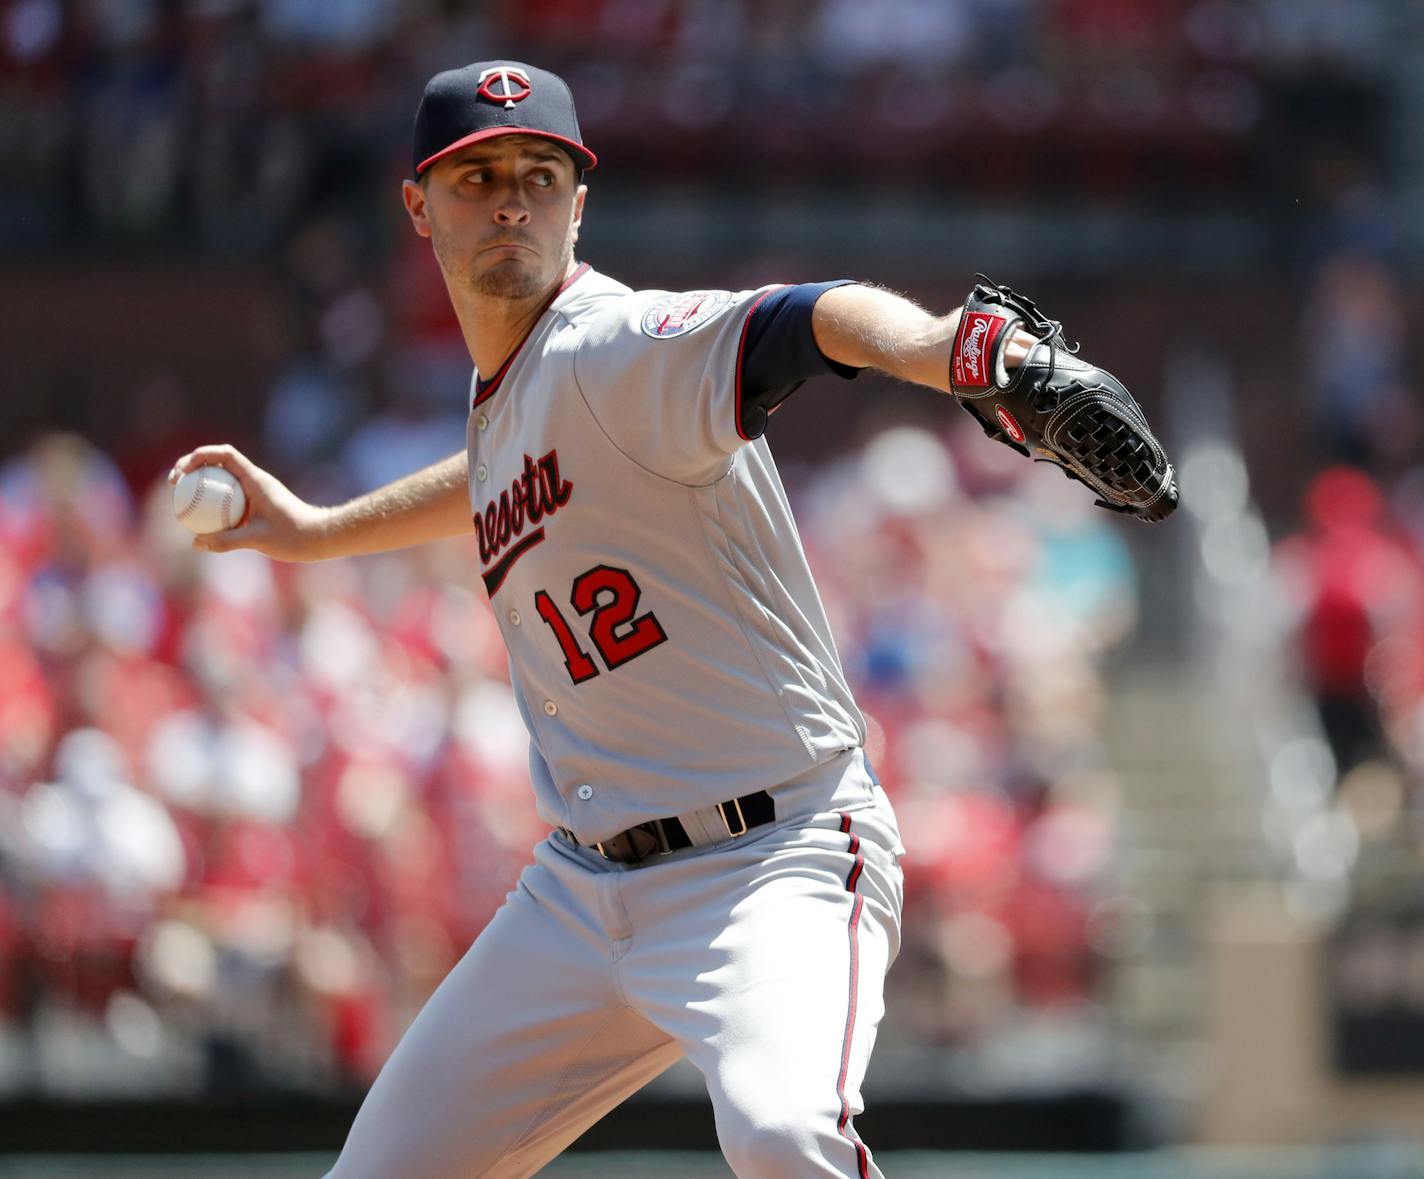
x,y
782,1007
522,1046
627,1053
793,1039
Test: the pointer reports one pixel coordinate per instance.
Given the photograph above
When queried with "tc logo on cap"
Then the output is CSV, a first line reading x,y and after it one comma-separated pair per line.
x,y
505,84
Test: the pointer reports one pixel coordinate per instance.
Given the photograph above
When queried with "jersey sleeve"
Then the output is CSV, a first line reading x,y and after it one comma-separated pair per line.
x,y
781,353
679,381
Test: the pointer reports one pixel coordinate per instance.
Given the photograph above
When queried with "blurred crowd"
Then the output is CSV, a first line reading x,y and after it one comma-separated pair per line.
x,y
1352,579
1350,565
251,813
222,119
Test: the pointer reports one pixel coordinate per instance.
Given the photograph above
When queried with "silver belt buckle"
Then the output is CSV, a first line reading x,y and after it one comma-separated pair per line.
x,y
727,823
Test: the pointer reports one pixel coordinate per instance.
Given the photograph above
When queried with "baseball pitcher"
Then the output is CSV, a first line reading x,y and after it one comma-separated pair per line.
x,y
721,878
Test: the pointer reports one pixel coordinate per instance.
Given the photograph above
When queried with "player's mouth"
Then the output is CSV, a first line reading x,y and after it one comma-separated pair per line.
x,y
497,246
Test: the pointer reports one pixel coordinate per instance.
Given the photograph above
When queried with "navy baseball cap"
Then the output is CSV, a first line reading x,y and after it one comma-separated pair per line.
x,y
493,98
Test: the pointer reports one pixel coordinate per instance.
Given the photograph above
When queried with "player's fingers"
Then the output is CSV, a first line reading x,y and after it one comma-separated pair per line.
x,y
217,456
246,536
202,456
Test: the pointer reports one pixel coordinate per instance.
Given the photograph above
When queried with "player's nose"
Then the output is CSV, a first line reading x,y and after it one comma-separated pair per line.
x,y
511,212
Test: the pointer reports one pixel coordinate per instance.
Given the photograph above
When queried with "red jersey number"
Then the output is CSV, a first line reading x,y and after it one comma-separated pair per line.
x,y
618,631
581,666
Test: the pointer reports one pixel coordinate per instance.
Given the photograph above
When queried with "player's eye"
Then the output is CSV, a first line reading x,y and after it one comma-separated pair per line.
x,y
543,179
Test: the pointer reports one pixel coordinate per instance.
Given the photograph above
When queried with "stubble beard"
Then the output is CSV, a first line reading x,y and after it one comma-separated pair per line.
x,y
511,279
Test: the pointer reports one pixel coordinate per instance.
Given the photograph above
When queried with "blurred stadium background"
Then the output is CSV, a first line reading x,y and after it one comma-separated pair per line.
x,y
1161,787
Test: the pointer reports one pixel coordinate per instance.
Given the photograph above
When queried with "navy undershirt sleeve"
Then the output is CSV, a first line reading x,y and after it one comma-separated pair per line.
x,y
780,352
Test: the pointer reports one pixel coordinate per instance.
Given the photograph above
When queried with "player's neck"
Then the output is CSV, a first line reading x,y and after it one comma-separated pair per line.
x,y
494,328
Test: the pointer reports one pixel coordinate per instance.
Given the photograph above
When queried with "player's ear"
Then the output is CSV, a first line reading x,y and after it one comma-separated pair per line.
x,y
578,209
414,196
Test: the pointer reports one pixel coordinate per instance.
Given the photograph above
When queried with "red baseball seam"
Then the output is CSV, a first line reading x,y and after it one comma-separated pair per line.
x,y
197,496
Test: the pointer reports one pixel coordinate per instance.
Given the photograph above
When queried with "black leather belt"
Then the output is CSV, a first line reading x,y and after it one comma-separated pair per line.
x,y
739,815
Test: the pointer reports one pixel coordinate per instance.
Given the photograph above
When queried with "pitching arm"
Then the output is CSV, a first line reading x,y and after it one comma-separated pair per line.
x,y
429,505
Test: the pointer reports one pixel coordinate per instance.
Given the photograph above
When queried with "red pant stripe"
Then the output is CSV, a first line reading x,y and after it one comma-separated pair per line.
x,y
847,1131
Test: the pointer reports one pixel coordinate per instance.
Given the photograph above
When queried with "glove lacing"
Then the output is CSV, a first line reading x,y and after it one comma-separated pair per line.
x,y
1045,331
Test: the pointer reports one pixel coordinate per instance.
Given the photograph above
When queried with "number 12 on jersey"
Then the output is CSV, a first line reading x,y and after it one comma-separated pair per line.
x,y
611,596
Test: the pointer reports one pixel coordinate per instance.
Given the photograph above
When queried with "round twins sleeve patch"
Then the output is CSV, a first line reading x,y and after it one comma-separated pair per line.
x,y
676,315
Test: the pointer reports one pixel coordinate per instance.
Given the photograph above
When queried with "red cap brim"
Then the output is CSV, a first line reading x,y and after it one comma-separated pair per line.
x,y
586,158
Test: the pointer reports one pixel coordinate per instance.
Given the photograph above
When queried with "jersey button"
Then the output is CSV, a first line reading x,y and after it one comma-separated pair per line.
x,y
482,472
551,708
514,617
482,422
585,792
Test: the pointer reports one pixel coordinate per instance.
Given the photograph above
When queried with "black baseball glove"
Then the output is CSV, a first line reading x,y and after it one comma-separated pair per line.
x,y
1056,407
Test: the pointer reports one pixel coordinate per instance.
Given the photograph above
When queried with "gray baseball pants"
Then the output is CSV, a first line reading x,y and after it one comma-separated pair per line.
x,y
761,958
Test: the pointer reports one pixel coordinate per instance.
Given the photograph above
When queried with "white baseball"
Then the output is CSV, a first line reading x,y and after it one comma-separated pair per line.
x,y
208,499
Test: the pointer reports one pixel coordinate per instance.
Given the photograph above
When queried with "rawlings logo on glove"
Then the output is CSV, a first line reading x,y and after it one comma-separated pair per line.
x,y
1056,407
977,334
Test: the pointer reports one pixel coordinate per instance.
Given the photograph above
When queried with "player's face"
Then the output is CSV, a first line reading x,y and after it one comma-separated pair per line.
x,y
502,216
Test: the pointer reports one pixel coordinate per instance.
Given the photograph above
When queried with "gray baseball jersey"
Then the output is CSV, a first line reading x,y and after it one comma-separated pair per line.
x,y
669,652
667,645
